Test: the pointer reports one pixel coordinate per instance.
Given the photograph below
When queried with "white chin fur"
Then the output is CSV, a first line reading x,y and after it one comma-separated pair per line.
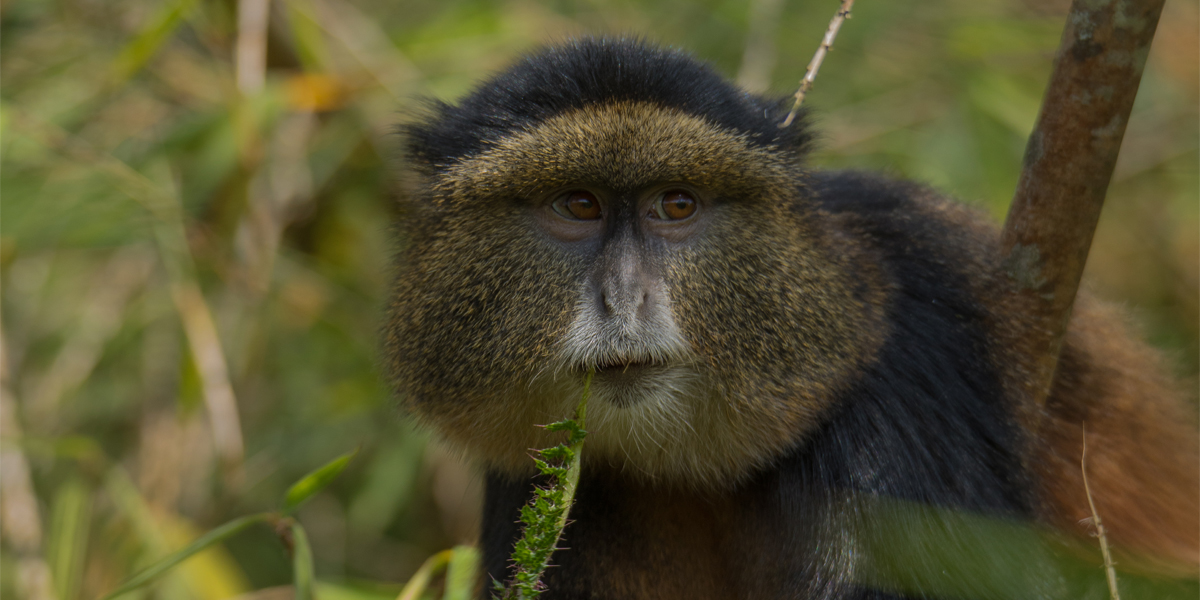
x,y
656,420
660,418
665,425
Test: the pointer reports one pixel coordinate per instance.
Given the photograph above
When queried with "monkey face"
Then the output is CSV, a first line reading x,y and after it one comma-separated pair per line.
x,y
674,257
622,324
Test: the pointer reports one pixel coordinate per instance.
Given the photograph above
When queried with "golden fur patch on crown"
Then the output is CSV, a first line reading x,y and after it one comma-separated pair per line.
x,y
623,145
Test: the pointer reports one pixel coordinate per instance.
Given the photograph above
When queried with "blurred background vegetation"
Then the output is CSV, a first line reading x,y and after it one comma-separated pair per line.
x,y
195,242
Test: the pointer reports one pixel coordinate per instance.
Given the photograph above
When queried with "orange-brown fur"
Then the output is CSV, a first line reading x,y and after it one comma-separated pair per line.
x,y
1143,450
1142,461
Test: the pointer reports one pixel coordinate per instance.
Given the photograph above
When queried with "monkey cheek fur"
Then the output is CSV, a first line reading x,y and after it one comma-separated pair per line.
x,y
485,359
765,319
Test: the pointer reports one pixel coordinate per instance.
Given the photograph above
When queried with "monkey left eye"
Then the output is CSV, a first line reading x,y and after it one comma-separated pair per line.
x,y
673,205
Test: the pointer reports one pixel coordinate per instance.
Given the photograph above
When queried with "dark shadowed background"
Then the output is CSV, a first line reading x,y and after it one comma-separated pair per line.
x,y
195,242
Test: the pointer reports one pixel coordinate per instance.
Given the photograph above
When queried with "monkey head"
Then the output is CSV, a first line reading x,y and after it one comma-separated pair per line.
x,y
611,206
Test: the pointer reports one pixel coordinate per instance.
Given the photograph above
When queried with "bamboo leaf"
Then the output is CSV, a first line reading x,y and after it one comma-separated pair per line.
x,y
314,482
217,535
460,575
302,563
420,580
69,535
307,37
147,42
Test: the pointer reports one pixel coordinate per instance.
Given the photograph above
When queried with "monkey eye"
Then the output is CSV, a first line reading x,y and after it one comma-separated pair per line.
x,y
673,205
578,205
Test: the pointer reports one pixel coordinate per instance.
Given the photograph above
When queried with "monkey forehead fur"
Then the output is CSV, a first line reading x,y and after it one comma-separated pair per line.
x,y
589,72
762,314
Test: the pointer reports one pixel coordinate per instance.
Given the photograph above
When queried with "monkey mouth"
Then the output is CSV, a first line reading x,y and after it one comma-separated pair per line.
x,y
633,381
617,366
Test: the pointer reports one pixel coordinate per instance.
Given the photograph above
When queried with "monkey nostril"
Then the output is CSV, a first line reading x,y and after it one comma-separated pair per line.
x,y
606,303
645,300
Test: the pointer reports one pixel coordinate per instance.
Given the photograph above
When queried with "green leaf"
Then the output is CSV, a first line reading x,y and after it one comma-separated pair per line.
x,y
217,535
147,42
354,591
460,575
307,38
314,482
69,529
302,563
420,580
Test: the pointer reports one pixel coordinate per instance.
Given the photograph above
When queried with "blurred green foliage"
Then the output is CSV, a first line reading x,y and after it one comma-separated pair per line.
x,y
196,237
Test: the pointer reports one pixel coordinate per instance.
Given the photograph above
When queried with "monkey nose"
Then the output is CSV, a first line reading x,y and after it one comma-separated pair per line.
x,y
624,302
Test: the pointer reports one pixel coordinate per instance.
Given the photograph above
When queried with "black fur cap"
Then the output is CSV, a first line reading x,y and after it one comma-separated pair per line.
x,y
590,71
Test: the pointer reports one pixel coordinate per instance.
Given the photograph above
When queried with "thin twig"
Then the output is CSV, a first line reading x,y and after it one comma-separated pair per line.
x,y
810,73
1109,571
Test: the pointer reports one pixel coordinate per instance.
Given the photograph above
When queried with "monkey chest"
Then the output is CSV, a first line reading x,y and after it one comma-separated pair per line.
x,y
631,541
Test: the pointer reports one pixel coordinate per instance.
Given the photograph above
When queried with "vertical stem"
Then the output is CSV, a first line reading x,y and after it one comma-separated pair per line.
x,y
250,55
1068,163
219,399
572,481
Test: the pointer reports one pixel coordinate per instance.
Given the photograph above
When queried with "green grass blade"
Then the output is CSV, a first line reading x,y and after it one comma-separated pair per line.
x,y
219,534
145,45
358,590
314,482
307,36
460,575
302,563
420,580
69,530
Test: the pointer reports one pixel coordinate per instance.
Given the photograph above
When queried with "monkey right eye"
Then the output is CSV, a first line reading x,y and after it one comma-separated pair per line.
x,y
578,205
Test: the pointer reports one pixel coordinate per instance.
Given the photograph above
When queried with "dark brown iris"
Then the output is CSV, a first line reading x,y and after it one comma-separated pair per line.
x,y
579,205
674,205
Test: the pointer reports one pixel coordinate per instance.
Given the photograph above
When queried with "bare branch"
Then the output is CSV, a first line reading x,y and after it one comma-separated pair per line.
x,y
1068,163
810,73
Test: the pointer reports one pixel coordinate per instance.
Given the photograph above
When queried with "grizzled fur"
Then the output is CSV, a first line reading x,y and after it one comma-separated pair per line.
x,y
590,72
842,373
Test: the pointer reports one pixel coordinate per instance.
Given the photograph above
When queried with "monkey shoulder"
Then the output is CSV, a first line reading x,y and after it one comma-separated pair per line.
x,y
955,322
927,417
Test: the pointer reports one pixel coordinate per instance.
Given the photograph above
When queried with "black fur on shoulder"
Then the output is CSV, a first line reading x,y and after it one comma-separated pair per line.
x,y
928,421
590,71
